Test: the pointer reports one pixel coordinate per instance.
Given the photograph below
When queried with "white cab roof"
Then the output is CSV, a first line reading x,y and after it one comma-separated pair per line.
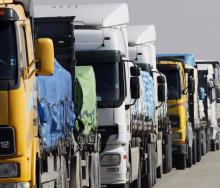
x,y
101,15
5,1
141,34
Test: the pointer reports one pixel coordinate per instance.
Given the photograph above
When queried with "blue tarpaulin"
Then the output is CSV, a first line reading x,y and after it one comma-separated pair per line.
x,y
146,104
55,106
185,58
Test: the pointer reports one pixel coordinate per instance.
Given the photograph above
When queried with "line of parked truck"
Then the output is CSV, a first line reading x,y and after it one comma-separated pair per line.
x,y
85,101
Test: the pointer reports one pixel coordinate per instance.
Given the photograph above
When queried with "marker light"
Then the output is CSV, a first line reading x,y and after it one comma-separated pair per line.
x,y
2,12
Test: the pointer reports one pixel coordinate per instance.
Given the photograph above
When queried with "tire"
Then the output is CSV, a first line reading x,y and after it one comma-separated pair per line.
x,y
127,185
199,153
204,147
137,183
194,151
189,159
38,173
180,162
159,172
213,145
208,140
218,146
167,152
149,165
154,170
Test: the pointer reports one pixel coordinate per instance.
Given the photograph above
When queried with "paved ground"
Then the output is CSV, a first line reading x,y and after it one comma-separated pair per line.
x,y
205,174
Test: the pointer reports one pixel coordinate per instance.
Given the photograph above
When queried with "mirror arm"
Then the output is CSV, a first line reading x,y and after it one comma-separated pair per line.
x,y
129,105
160,105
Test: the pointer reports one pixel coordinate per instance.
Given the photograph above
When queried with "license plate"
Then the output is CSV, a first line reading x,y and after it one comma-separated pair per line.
x,y
7,141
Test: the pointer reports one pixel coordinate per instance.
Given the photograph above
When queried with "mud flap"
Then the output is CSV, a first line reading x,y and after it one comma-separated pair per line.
x,y
190,135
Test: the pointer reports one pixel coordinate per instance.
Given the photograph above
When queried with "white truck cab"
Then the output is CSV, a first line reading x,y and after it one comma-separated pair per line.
x,y
142,51
101,41
210,86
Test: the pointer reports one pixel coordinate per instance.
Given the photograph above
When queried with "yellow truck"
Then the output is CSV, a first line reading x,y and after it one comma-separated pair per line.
x,y
183,107
19,143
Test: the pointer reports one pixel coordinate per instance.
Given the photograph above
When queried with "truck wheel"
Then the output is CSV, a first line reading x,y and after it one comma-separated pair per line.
x,y
204,151
189,159
180,161
154,164
159,172
194,150
199,155
217,146
208,141
38,173
145,176
213,145
167,161
137,183
149,165
127,185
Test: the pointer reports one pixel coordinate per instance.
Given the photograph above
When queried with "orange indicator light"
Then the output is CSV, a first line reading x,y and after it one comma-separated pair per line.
x,y
2,12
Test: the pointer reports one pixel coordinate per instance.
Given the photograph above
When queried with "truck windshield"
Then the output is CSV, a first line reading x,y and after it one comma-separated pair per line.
x,y
8,51
173,83
107,82
109,73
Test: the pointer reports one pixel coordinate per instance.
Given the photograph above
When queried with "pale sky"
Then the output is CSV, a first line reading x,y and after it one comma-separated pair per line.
x,y
191,26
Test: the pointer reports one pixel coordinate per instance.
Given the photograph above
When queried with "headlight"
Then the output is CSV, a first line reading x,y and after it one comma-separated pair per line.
x,y
9,170
176,136
110,160
15,185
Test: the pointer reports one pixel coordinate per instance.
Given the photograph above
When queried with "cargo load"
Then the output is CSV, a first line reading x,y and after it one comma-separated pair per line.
x,y
184,58
145,106
55,106
86,100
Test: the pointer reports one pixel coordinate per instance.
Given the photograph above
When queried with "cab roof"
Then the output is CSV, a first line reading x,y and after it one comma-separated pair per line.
x,y
100,15
141,34
5,2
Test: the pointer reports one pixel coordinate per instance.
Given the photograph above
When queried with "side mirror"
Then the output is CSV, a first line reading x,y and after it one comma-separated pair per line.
x,y
135,87
192,85
218,95
44,53
161,80
135,71
161,93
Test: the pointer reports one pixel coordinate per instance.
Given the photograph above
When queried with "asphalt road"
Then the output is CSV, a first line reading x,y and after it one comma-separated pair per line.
x,y
205,174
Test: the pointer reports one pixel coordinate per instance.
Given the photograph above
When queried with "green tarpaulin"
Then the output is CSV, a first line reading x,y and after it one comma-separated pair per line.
x,y
86,100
